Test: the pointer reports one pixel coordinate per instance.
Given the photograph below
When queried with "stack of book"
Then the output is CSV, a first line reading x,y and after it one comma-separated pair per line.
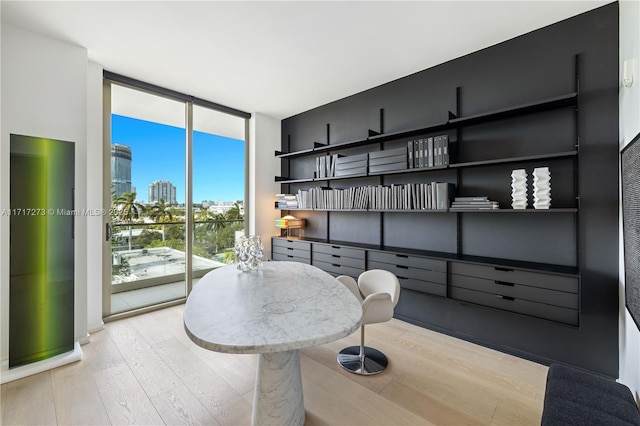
x,y
408,196
387,160
351,165
286,201
326,166
428,152
324,198
474,203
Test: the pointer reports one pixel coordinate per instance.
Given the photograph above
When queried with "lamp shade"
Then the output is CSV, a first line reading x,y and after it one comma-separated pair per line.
x,y
289,222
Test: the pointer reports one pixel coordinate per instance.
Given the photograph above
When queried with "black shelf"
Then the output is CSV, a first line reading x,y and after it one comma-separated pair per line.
x,y
549,104
564,101
450,210
284,155
516,211
528,158
523,159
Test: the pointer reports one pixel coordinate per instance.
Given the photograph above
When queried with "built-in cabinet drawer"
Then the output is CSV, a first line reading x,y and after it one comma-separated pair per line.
x,y
414,272
338,269
543,295
338,260
292,250
339,251
513,275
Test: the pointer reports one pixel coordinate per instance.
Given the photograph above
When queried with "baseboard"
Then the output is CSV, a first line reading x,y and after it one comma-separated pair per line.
x,y
9,375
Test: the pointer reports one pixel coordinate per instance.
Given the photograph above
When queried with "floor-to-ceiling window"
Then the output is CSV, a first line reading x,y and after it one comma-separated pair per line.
x,y
177,185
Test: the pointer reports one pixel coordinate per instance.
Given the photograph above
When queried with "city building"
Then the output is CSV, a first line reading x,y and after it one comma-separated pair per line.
x,y
162,190
121,168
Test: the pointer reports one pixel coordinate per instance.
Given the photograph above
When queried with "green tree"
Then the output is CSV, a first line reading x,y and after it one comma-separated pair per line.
x,y
128,210
147,237
234,213
161,213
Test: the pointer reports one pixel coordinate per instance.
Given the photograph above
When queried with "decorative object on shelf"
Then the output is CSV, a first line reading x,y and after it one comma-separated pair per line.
x,y
519,189
541,188
289,222
249,253
286,201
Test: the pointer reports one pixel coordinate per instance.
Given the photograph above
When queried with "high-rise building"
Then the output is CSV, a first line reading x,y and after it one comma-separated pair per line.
x,y
121,168
162,189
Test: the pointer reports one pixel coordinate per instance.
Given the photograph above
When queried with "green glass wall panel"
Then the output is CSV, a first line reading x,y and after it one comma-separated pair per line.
x,y
41,305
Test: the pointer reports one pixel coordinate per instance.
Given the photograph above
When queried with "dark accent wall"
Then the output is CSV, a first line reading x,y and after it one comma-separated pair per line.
x,y
538,65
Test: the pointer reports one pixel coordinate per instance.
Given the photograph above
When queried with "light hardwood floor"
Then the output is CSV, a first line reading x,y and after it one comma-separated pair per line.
x,y
144,370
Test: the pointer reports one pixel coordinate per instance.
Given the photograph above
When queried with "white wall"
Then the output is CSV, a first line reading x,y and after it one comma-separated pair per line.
x,y
629,128
95,232
264,134
44,94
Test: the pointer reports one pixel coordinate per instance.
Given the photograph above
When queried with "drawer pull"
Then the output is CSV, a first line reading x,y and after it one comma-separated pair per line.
x,y
289,241
336,247
335,255
289,248
499,296
290,256
336,265
402,255
402,278
402,267
497,268
505,283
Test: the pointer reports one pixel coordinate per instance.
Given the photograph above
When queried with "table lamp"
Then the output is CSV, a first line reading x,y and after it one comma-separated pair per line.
x,y
289,222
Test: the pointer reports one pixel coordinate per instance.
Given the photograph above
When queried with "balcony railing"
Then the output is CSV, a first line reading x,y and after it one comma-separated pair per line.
x,y
149,254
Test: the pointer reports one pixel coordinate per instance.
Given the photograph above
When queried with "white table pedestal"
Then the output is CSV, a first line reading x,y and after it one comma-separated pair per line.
x,y
278,396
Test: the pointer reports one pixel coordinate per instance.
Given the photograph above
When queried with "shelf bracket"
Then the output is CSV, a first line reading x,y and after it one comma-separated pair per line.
x,y
281,178
319,145
373,133
328,133
452,116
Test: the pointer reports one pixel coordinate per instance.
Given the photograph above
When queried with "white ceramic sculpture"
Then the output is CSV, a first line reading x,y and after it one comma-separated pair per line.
x,y
541,188
519,189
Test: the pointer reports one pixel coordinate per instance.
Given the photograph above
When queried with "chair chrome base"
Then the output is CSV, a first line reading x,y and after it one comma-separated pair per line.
x,y
373,362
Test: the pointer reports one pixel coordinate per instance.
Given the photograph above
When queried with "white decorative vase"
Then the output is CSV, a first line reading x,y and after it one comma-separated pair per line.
x,y
249,253
519,189
541,188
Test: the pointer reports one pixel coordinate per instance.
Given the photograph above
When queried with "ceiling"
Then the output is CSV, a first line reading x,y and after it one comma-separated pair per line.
x,y
281,58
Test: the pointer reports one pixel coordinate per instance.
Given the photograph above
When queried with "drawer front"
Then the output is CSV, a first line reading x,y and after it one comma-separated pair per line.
x,y
342,251
289,251
516,276
408,272
423,286
337,269
540,310
294,244
407,260
279,256
340,260
518,291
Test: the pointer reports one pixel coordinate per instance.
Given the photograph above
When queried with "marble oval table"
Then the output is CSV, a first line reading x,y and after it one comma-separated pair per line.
x,y
274,311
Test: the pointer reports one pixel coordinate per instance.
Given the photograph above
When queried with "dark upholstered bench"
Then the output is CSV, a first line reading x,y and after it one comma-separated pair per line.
x,y
576,397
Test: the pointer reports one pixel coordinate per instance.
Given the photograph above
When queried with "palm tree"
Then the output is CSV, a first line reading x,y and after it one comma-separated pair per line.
x,y
128,209
161,212
234,212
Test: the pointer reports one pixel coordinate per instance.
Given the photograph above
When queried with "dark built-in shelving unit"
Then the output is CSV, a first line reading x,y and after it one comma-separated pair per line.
x,y
467,291
540,284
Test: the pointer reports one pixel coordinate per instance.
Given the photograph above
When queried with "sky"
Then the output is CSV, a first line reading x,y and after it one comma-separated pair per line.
x,y
158,153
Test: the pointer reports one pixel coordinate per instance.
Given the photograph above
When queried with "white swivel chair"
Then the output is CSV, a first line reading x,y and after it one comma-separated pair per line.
x,y
351,284
381,290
